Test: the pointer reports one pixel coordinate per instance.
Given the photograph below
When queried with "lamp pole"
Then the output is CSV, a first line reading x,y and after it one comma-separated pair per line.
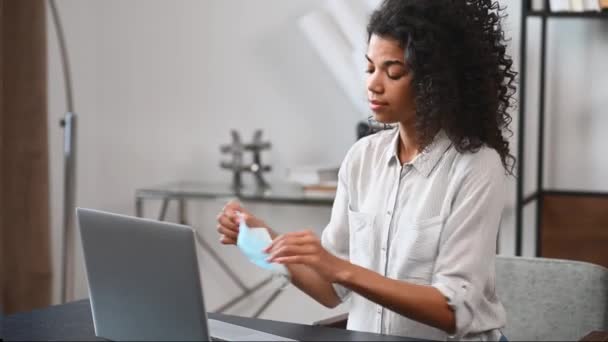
x,y
68,122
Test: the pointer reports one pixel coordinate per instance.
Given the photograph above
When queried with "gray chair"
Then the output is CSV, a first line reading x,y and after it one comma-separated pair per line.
x,y
545,299
551,299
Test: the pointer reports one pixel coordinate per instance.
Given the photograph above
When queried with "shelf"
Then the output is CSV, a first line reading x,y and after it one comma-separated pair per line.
x,y
530,198
566,210
571,193
289,193
575,193
548,14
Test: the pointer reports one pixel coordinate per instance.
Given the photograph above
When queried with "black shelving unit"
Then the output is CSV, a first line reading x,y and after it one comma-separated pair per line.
x,y
521,199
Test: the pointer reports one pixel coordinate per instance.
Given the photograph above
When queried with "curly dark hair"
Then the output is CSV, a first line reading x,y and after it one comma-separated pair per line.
x,y
462,77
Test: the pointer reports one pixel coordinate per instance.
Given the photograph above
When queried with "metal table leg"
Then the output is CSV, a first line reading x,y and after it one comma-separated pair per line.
x,y
181,207
246,290
246,293
201,241
267,303
139,207
181,211
221,262
163,209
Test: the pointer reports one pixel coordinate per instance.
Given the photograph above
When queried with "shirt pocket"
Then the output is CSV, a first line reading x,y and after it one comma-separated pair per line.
x,y
361,226
421,246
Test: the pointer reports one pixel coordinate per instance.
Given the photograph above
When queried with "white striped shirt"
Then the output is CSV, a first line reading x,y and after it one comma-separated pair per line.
x,y
433,221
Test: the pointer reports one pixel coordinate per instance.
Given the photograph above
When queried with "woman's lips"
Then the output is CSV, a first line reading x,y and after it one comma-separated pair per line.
x,y
377,105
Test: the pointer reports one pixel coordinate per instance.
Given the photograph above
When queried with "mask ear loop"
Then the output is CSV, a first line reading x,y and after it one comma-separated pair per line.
x,y
242,227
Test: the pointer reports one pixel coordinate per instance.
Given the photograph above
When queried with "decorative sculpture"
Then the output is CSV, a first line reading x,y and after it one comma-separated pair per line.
x,y
237,149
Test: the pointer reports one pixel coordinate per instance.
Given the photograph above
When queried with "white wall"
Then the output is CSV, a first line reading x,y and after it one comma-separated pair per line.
x,y
159,84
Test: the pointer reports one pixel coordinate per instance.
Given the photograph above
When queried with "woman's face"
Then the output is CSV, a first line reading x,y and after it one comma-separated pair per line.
x,y
389,87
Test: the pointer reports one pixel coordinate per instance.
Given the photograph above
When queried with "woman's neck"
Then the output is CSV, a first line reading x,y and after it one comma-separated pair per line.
x,y
408,147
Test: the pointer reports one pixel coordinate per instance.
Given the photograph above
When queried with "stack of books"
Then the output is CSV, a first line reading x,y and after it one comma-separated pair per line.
x,y
315,180
577,5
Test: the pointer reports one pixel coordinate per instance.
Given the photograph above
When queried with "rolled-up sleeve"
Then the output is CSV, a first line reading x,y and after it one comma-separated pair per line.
x,y
464,268
335,237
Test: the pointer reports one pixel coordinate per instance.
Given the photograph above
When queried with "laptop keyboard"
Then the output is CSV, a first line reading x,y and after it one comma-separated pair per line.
x,y
222,331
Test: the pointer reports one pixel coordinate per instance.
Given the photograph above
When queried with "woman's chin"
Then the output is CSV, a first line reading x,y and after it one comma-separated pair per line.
x,y
383,118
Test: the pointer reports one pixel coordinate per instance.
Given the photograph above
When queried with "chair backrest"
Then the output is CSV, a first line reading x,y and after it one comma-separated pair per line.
x,y
551,299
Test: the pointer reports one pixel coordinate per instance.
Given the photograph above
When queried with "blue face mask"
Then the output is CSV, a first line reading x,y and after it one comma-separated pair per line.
x,y
252,242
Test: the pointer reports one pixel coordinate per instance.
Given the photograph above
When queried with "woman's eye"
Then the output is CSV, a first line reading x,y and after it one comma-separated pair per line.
x,y
395,76
369,71
395,71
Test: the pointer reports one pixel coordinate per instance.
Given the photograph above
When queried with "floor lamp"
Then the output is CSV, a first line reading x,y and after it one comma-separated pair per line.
x,y
69,167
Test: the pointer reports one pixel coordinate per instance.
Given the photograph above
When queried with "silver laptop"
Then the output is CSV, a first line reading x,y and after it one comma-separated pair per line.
x,y
144,282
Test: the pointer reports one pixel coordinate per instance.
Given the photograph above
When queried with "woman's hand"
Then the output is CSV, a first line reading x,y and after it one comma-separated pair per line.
x,y
228,222
305,248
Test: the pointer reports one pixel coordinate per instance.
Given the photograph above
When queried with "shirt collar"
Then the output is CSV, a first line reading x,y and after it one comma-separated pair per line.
x,y
426,161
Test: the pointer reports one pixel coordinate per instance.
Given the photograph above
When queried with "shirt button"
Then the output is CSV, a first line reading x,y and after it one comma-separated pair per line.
x,y
384,248
379,310
389,212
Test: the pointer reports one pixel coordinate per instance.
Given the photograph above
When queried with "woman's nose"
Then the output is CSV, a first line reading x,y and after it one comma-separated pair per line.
x,y
374,83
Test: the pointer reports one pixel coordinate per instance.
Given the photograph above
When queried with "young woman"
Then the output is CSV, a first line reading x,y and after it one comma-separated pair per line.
x,y
413,229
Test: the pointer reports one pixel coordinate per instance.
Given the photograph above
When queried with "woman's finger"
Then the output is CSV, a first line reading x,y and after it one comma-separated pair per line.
x,y
292,250
227,241
285,236
298,259
233,205
290,239
274,243
227,222
300,233
227,232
